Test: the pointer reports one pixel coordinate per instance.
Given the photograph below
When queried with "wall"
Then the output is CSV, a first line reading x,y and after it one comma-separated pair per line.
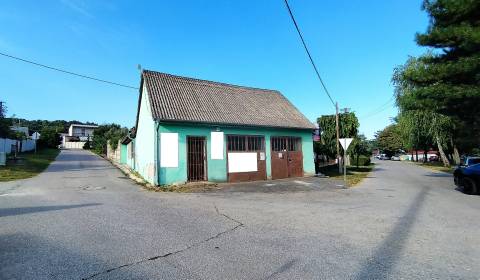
x,y
73,145
5,145
131,154
217,169
113,154
145,141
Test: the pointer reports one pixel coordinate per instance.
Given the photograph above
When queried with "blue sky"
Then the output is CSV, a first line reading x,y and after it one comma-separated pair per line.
x,y
355,44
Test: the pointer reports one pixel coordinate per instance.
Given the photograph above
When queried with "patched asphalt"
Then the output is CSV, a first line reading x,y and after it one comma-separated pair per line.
x,y
82,219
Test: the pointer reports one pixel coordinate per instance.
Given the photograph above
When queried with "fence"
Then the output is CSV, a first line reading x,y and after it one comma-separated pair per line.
x,y
73,145
6,145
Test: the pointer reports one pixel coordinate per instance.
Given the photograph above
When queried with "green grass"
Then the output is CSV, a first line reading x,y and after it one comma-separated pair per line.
x,y
28,165
354,175
436,166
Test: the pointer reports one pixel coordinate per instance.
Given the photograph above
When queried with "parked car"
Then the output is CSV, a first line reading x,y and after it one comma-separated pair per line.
x,y
433,158
384,157
395,158
468,177
467,161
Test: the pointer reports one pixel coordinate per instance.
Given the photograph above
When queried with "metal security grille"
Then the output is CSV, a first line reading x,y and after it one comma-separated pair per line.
x,y
291,144
244,143
196,159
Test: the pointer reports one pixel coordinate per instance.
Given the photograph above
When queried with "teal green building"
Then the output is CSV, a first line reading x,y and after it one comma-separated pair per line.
x,y
196,130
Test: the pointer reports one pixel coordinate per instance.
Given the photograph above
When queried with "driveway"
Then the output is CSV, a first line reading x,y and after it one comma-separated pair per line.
x,y
82,219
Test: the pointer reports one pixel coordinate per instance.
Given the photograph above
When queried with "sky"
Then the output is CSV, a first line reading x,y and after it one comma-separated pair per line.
x,y
355,44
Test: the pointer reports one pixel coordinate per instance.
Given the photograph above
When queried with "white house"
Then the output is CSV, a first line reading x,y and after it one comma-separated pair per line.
x,y
77,135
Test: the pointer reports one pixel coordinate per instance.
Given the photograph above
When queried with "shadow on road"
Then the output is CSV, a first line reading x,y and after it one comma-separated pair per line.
x,y
5,212
380,265
440,175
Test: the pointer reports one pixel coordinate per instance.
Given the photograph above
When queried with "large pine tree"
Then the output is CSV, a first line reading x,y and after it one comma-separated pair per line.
x,y
447,79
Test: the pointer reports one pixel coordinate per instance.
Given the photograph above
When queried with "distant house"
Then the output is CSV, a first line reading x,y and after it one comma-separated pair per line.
x,y
411,155
77,135
21,129
196,130
22,144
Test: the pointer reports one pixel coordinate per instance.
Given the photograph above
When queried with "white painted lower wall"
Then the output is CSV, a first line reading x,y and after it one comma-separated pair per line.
x,y
6,145
73,145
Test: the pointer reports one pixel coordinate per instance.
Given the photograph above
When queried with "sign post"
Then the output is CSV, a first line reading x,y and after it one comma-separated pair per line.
x,y
345,142
35,137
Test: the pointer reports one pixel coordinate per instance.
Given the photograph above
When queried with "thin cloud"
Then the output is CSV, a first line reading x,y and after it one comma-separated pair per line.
x,y
78,6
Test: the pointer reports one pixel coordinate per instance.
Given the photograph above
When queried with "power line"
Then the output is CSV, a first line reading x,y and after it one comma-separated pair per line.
x,y
308,52
378,110
67,72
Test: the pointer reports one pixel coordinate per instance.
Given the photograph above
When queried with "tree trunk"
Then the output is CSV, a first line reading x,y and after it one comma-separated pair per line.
x,y
425,152
416,155
358,156
442,153
456,155
412,155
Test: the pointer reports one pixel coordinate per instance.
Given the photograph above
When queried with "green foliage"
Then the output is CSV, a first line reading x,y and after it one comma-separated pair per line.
x,y
87,145
49,138
446,80
348,127
360,147
37,125
390,139
362,161
5,131
105,133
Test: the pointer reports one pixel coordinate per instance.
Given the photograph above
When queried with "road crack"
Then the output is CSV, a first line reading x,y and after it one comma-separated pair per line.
x,y
238,224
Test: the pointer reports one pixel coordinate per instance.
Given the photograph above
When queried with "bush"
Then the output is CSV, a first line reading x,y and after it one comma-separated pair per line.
x,y
49,138
86,146
362,161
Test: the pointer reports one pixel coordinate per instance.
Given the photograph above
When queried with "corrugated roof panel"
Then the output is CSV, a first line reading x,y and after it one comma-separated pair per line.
x,y
175,98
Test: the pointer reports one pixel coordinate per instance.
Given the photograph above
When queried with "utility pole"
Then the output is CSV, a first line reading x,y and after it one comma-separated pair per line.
x,y
338,138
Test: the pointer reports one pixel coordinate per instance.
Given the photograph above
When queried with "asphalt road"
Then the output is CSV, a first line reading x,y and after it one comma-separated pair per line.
x,y
82,219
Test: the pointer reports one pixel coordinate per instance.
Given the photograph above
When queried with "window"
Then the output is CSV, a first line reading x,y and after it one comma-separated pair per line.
x,y
244,143
292,144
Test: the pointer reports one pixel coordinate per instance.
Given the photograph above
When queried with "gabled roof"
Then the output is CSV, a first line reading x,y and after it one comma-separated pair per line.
x,y
180,99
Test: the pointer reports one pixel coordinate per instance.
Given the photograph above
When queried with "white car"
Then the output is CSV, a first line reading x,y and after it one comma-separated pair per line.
x,y
395,158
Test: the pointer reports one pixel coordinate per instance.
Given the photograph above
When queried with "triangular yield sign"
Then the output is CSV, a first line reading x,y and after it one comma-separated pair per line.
x,y
345,142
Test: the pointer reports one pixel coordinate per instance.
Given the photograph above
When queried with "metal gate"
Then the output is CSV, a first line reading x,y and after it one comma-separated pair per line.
x,y
196,159
287,157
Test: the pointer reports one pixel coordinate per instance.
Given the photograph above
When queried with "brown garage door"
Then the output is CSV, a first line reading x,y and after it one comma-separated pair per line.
x,y
239,149
287,157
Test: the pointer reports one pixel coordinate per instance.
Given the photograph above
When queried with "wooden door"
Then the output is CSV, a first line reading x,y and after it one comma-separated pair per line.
x,y
295,157
196,159
279,157
286,157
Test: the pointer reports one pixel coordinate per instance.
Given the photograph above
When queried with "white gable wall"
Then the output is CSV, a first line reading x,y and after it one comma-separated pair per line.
x,y
145,140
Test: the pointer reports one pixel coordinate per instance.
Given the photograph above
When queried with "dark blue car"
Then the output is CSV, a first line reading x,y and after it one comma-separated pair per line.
x,y
468,177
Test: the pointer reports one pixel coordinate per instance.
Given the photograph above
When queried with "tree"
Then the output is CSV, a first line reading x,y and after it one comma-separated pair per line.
x,y
105,134
348,126
446,80
390,139
5,131
361,147
49,138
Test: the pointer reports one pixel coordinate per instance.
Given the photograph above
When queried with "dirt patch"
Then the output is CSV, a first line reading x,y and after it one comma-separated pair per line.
x,y
184,188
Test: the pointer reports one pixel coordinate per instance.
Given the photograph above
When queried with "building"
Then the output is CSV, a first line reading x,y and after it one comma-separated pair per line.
x,y
78,135
195,130
21,129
